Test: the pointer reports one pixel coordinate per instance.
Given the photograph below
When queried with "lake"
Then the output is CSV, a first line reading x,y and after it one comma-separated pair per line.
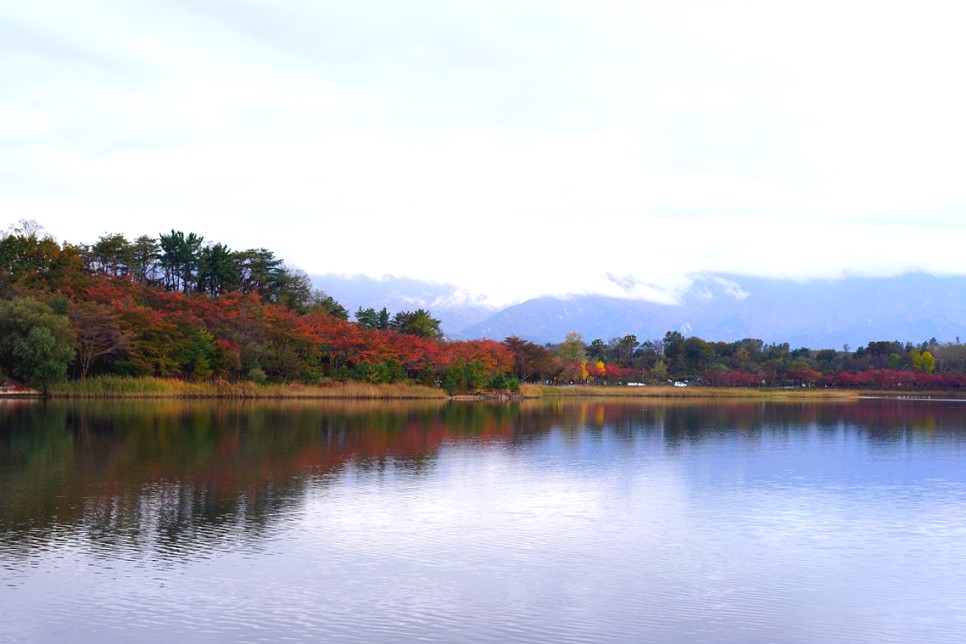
x,y
538,521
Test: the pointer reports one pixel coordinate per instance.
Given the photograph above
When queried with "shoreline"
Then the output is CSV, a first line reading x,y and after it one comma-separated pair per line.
x,y
159,388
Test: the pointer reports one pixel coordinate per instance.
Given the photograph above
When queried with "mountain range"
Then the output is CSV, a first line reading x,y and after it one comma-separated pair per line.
x,y
913,307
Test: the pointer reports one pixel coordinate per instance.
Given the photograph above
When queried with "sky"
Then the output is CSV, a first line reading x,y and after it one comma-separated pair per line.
x,y
513,148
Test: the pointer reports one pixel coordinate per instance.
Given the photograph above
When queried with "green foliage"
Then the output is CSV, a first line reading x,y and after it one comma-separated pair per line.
x,y
698,355
35,343
111,255
144,255
498,381
323,303
292,289
109,386
387,372
180,257
217,272
153,352
259,271
57,303
201,369
372,319
572,349
597,350
41,360
621,350
200,355
464,376
502,382
427,377
419,323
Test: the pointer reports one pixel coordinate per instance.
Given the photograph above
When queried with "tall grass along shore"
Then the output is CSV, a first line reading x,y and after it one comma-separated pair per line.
x,y
146,387
124,387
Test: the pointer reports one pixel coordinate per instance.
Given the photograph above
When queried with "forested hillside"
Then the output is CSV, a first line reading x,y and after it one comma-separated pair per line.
x,y
176,306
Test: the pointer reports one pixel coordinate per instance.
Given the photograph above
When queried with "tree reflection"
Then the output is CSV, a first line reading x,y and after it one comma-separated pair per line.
x,y
153,475
159,477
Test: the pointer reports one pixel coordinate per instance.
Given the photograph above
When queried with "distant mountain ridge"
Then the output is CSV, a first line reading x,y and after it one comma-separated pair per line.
x,y
817,314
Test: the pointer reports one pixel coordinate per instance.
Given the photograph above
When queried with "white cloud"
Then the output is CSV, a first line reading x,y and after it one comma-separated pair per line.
x,y
513,148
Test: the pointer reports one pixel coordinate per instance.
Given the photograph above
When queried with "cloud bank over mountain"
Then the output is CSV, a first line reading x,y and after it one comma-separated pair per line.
x,y
913,307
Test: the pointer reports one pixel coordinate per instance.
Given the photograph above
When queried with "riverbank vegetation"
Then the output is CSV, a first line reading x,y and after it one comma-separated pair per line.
x,y
152,387
666,392
176,315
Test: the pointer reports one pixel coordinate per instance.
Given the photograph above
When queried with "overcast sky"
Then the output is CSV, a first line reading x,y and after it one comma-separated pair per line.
x,y
514,148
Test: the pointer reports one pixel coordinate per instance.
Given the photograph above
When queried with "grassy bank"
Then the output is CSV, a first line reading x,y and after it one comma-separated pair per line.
x,y
121,387
592,391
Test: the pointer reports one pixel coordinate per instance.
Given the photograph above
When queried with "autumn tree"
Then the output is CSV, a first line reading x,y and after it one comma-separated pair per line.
x,y
531,362
36,262
572,349
98,335
922,361
572,354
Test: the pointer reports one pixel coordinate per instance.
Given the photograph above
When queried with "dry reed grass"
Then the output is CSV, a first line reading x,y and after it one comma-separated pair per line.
x,y
123,387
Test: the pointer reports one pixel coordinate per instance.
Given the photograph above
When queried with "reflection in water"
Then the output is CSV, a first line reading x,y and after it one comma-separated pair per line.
x,y
158,471
540,520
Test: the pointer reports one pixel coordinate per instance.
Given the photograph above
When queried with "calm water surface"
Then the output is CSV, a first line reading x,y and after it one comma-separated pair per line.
x,y
617,522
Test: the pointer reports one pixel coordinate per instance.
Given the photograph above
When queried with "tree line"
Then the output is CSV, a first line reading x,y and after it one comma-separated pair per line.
x,y
179,306
751,362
